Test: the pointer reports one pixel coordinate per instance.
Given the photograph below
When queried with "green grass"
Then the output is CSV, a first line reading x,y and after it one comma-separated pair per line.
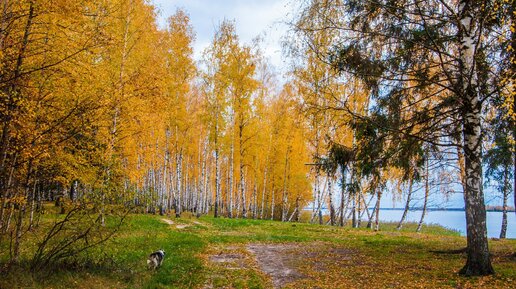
x,y
121,262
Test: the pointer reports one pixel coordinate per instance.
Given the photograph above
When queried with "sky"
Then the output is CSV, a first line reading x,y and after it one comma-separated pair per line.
x,y
252,18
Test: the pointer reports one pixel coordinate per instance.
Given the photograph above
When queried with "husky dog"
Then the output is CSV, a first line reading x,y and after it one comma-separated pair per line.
x,y
155,259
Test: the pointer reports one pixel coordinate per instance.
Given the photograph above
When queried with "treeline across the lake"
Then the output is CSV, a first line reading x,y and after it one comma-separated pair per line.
x,y
500,208
103,113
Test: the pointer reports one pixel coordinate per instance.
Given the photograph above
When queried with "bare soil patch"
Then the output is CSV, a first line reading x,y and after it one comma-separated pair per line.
x,y
278,261
285,264
170,222
229,260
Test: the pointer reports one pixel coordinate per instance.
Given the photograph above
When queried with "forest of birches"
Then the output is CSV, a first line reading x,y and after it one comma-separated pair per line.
x,y
105,113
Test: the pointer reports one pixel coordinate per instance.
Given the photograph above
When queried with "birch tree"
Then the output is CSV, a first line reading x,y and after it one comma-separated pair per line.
x,y
399,48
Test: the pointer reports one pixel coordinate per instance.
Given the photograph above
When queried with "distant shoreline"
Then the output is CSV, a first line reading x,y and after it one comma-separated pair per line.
x,y
488,209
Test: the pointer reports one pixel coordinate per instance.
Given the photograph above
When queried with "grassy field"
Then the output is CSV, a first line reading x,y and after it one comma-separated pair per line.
x,y
237,253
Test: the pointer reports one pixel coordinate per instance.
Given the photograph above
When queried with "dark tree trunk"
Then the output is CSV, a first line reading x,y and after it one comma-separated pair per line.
x,y
73,190
506,186
513,119
479,262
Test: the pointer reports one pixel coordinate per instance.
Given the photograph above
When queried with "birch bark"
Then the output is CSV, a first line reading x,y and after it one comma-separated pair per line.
x,y
478,262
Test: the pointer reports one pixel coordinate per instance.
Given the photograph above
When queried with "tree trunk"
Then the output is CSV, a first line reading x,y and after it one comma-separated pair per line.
x,y
330,201
242,165
179,184
427,192
21,213
316,196
262,209
297,210
12,91
264,203
272,202
359,210
513,117
208,196
377,212
342,210
407,204
255,198
366,209
18,233
230,181
371,217
242,189
320,203
217,166
32,206
202,164
185,198
354,212
284,200
4,196
506,187
478,262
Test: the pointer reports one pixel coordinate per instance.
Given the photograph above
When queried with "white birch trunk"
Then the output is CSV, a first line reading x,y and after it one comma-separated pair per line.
x,y
342,209
262,209
330,200
377,211
272,199
478,262
285,193
427,193
242,188
179,183
506,186
407,204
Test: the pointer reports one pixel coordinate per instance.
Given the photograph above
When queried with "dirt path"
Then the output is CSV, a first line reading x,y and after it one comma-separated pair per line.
x,y
170,222
181,226
281,263
278,261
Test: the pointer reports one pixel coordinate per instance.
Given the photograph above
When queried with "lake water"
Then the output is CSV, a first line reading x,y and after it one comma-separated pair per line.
x,y
455,220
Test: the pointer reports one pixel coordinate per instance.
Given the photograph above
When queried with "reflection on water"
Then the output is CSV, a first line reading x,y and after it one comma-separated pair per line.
x,y
455,220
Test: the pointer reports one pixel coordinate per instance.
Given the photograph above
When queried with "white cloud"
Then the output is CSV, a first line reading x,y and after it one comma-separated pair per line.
x,y
252,18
